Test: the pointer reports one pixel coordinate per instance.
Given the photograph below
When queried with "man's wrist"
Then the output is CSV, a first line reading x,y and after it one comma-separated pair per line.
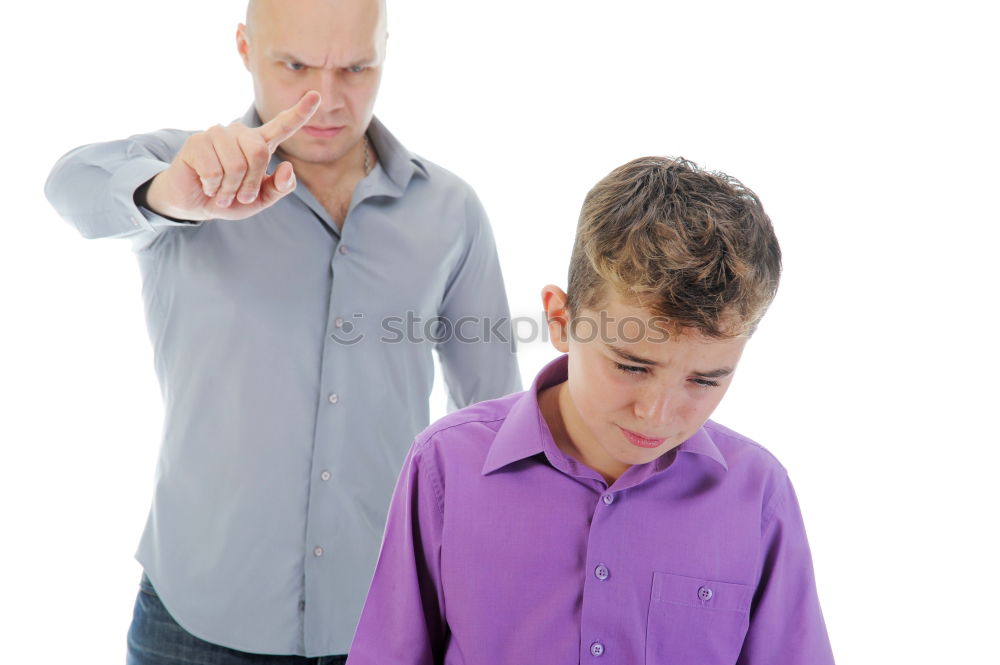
x,y
141,200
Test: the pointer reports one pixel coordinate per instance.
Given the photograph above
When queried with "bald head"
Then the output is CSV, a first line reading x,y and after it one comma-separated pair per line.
x,y
254,13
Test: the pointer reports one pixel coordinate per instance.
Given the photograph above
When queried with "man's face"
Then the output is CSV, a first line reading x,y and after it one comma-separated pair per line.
x,y
635,392
334,47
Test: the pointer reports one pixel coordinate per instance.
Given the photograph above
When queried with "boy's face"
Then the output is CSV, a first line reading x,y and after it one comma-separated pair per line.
x,y
634,392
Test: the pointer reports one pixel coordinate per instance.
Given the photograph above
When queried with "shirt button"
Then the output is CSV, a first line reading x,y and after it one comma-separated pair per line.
x,y
325,475
339,322
343,249
608,499
318,551
705,593
333,398
602,572
597,649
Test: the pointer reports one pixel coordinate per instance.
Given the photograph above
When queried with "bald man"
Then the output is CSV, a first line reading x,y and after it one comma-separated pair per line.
x,y
299,266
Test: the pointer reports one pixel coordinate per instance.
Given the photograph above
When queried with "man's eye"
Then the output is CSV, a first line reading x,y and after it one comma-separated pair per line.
x,y
706,383
631,369
356,69
295,66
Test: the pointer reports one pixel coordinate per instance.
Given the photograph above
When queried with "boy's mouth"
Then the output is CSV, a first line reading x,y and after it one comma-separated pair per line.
x,y
637,439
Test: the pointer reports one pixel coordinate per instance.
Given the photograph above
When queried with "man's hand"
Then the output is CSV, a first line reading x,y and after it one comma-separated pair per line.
x,y
222,173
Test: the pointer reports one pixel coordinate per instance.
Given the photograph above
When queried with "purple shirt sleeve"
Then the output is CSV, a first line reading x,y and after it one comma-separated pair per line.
x,y
403,620
786,623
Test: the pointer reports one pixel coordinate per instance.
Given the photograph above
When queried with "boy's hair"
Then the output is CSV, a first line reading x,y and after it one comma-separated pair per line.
x,y
692,246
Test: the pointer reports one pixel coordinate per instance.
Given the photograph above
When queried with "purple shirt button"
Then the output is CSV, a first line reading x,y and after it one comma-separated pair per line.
x,y
596,649
608,499
705,593
601,572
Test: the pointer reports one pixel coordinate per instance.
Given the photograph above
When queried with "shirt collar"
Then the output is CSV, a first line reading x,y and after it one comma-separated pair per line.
x,y
399,164
525,433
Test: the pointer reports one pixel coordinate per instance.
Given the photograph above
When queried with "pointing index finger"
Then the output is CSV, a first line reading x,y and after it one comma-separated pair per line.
x,y
282,126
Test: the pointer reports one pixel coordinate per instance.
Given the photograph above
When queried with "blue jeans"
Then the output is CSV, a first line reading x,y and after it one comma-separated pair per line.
x,y
156,639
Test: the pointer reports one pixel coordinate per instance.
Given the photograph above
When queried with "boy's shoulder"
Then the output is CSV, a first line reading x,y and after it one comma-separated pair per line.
x,y
475,425
743,453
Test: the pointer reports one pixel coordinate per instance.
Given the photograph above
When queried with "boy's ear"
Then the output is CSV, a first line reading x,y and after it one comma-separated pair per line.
x,y
554,302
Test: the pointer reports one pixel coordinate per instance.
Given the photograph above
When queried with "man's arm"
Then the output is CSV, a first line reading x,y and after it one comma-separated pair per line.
x,y
403,620
220,173
478,358
786,623
93,187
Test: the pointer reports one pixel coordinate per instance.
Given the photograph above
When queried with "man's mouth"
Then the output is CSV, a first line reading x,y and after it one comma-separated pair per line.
x,y
322,132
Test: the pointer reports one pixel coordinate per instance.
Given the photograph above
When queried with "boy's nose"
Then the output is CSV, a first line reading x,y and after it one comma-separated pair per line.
x,y
654,408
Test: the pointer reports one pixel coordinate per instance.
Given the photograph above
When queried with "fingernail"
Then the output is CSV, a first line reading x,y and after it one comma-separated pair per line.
x,y
247,197
224,202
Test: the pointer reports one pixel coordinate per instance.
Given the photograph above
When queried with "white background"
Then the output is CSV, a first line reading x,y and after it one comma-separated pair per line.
x,y
867,128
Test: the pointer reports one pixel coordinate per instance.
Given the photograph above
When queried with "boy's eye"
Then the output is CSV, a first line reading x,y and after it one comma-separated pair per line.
x,y
707,383
631,369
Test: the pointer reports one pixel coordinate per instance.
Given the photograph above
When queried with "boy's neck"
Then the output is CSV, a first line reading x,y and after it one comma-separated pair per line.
x,y
571,435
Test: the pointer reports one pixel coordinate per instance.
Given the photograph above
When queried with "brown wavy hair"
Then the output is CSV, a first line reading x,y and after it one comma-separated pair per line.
x,y
692,246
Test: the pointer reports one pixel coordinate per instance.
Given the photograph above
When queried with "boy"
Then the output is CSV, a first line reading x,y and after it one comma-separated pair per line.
x,y
600,516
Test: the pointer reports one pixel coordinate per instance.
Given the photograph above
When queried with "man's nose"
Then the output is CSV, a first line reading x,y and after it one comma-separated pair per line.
x,y
330,89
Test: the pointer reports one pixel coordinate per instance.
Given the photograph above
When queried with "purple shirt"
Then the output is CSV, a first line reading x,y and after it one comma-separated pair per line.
x,y
501,549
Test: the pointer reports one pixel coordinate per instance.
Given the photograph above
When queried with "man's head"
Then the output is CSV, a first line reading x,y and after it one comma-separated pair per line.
x,y
335,47
671,271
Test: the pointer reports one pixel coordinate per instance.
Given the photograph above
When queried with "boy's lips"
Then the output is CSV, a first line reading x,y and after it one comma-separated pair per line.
x,y
637,439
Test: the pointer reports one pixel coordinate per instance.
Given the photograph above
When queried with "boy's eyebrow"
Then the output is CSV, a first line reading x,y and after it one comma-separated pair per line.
x,y
625,355
715,373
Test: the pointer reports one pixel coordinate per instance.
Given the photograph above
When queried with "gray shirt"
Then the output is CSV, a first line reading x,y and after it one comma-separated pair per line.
x,y
295,365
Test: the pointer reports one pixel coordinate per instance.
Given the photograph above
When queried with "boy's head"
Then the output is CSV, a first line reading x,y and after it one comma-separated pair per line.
x,y
672,269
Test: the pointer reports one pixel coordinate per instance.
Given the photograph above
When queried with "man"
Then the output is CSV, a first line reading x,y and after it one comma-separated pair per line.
x,y
288,407
600,516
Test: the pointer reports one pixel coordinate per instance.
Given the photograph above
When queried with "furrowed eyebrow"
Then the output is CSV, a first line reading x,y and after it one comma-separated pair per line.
x,y
625,355
284,56
621,353
715,373
281,55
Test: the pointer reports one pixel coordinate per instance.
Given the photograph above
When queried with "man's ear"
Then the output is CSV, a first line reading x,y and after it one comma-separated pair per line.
x,y
243,45
554,304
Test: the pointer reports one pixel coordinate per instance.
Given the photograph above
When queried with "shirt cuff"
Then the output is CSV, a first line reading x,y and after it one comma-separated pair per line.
x,y
124,183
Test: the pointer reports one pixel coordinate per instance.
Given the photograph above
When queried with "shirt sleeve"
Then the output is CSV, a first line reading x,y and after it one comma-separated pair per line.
x,y
478,358
93,186
403,620
786,623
